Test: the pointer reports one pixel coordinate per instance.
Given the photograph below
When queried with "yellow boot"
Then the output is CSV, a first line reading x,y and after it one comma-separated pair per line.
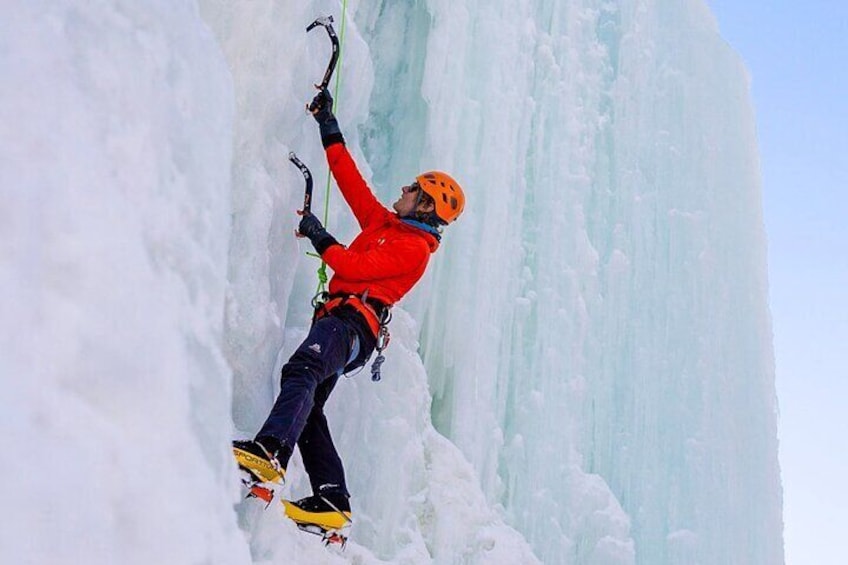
x,y
330,511
260,463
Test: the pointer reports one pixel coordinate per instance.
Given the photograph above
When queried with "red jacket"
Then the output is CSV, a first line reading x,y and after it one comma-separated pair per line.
x,y
389,256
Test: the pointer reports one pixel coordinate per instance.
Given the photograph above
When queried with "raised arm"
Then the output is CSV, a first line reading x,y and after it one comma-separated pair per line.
x,y
355,190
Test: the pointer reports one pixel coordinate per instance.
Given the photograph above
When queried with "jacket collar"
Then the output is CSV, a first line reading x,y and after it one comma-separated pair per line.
x,y
422,226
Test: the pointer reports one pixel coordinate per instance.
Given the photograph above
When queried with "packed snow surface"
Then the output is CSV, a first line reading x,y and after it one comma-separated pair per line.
x,y
584,375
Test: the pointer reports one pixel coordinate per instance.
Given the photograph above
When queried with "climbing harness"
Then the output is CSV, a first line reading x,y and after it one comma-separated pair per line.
x,y
376,314
371,310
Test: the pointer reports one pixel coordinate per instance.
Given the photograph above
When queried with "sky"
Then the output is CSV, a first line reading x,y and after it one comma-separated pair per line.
x,y
795,52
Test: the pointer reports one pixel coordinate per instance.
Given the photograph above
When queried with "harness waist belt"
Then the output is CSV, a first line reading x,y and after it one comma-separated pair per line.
x,y
371,310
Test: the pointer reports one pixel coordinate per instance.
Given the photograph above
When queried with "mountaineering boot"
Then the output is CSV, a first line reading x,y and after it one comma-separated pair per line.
x,y
264,460
329,511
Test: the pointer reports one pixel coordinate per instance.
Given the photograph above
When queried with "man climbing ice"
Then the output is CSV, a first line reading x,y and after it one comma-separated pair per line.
x,y
376,270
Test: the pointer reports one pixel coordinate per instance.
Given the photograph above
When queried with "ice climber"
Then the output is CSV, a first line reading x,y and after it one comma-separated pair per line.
x,y
376,270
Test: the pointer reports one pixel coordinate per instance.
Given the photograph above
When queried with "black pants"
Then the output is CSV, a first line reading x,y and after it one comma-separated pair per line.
x,y
307,380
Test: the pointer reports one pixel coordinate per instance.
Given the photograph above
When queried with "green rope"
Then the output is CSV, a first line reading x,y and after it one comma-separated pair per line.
x,y
322,270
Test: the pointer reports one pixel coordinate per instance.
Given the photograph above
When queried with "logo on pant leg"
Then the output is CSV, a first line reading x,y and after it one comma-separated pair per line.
x,y
316,347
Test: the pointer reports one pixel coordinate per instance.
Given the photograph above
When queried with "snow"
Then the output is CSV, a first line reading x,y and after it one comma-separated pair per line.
x,y
584,376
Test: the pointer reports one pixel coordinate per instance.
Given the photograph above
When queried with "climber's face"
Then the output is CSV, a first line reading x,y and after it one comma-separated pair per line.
x,y
412,200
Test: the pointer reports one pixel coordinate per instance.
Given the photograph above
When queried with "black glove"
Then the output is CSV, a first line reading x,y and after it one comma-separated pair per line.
x,y
322,110
322,106
310,227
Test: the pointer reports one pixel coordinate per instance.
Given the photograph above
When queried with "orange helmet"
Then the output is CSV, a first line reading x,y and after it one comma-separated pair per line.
x,y
446,192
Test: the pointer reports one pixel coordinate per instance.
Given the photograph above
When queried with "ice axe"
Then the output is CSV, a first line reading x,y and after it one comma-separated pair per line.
x,y
327,23
307,176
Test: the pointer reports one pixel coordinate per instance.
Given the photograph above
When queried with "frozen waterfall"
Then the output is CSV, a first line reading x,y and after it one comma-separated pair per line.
x,y
584,377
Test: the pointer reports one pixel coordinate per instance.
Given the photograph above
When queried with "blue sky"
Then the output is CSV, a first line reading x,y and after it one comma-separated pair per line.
x,y
795,53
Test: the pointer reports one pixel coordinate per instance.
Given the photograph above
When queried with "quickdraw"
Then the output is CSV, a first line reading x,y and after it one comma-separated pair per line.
x,y
383,338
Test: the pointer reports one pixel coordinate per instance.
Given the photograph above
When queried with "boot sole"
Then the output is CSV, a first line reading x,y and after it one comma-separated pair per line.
x,y
331,520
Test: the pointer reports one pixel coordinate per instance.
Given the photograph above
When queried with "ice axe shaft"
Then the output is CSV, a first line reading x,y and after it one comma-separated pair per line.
x,y
327,23
307,176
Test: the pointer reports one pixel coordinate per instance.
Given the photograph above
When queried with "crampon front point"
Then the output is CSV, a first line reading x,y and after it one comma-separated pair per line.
x,y
336,537
256,489
261,492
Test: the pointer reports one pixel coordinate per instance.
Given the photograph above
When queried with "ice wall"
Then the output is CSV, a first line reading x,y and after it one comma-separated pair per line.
x,y
115,150
617,390
616,393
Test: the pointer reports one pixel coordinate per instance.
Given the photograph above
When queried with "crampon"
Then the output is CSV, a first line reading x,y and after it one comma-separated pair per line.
x,y
256,489
336,537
